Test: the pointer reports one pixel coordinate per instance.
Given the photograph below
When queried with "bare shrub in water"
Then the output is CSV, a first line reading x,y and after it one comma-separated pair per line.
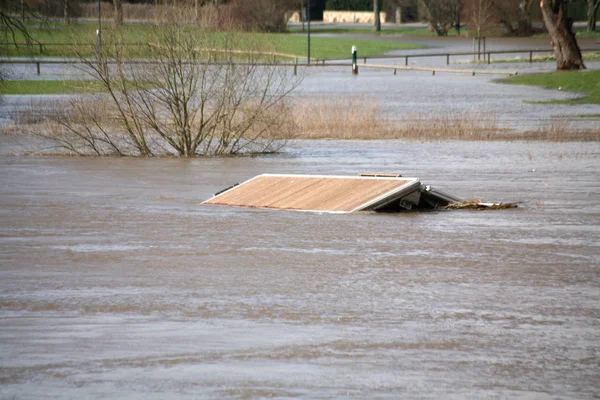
x,y
341,118
558,131
450,126
178,102
362,118
365,118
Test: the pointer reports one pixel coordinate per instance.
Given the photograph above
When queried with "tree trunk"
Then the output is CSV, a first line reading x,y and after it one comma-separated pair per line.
x,y
118,12
66,11
564,44
302,14
376,19
458,15
591,17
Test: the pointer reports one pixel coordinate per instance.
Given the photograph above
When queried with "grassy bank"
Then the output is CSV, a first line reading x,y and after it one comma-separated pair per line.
x,y
585,82
49,87
580,33
588,56
82,36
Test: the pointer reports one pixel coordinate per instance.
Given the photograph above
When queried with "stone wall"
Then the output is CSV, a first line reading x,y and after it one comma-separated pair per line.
x,y
358,17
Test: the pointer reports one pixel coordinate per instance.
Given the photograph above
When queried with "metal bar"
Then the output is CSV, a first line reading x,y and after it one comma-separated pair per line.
x,y
433,70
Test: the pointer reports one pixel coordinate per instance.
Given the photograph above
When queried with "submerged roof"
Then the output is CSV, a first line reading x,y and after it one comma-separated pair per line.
x,y
325,193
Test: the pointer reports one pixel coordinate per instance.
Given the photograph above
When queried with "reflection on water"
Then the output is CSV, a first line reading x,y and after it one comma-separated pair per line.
x,y
114,279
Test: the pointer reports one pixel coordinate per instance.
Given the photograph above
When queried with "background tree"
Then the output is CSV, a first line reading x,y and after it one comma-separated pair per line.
x,y
376,11
479,14
591,15
458,10
515,16
349,5
118,5
13,30
409,8
179,104
262,15
562,38
440,14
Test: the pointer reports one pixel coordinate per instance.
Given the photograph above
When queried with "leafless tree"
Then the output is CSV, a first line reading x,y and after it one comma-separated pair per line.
x,y
70,9
262,15
12,24
479,14
566,50
118,5
458,10
514,15
441,14
179,103
13,29
591,16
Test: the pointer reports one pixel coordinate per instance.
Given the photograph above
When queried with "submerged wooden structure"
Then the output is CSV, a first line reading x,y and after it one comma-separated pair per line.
x,y
333,194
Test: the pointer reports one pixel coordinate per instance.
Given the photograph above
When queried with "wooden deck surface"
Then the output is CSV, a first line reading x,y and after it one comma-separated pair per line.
x,y
311,193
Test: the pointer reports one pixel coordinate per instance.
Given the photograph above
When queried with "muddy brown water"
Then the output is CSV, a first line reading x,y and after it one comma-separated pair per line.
x,y
117,282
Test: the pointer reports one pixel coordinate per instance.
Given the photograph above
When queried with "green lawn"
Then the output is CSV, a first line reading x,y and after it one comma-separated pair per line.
x,y
585,82
587,56
580,34
82,37
49,87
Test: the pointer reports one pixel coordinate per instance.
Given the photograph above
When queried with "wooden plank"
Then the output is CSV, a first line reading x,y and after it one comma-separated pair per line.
x,y
336,194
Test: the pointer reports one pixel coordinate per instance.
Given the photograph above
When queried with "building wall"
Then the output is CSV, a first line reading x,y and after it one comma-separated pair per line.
x,y
359,17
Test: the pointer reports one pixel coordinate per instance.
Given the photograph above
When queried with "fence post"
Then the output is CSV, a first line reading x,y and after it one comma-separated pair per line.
x,y
447,59
37,64
531,56
295,69
365,60
41,49
406,61
489,57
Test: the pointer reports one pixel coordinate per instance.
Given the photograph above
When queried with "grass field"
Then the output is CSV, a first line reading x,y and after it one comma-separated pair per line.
x,y
581,34
588,56
82,36
585,82
50,87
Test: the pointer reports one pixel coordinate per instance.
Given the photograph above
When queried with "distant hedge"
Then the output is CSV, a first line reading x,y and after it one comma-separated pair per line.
x,y
349,5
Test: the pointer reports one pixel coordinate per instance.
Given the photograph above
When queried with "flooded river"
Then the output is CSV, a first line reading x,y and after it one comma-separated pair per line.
x,y
117,282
